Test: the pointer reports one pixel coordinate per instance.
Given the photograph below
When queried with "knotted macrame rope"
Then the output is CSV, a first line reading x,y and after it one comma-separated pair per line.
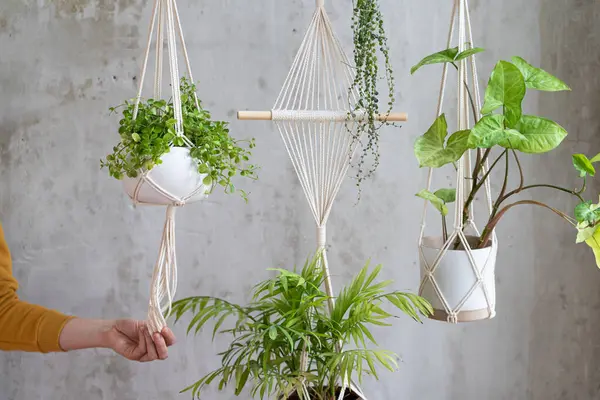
x,y
464,180
311,113
165,16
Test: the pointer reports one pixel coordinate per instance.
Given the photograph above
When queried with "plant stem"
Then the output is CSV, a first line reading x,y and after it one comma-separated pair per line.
x,y
569,191
475,189
444,229
489,228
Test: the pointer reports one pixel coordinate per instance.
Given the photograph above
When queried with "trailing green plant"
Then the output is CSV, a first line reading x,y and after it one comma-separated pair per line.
x,y
369,40
502,128
150,135
289,314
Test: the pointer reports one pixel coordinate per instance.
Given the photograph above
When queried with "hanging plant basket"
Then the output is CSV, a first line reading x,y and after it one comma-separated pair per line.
x,y
177,176
465,283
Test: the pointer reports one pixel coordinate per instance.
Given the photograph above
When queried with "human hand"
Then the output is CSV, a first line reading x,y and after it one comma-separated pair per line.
x,y
127,337
132,340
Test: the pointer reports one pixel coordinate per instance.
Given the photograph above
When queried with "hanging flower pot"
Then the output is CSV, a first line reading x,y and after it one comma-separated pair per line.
x,y
461,280
177,176
172,152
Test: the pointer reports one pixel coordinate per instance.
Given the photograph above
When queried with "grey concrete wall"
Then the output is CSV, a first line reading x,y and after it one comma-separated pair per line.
x,y
79,246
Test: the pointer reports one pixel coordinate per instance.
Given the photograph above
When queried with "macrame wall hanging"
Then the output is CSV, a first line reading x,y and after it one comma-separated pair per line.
x,y
316,117
176,181
458,280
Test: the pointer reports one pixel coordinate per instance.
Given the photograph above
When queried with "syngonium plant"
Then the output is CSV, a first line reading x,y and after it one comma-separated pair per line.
x,y
287,344
501,127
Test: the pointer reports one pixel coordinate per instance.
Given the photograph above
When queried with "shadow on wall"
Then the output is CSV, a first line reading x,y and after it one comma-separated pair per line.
x,y
566,315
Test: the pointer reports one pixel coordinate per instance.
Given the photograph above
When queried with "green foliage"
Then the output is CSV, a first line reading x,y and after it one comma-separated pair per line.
x,y
289,313
145,139
501,124
536,78
446,56
370,39
439,199
431,149
506,88
584,165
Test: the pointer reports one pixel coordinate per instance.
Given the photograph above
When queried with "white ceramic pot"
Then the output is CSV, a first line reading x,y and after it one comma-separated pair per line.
x,y
177,175
456,278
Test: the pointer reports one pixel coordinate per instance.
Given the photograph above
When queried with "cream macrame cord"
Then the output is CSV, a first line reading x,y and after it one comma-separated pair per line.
x,y
312,114
165,17
460,12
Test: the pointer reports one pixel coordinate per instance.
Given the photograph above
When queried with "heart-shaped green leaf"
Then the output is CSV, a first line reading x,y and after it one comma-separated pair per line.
x,y
583,165
540,135
447,195
440,57
430,150
490,131
537,78
434,200
506,88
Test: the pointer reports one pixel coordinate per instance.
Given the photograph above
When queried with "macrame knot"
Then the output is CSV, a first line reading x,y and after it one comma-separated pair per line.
x,y
321,236
178,203
320,3
452,317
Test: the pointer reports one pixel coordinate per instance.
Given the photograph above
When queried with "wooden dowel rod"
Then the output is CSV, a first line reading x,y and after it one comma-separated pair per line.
x,y
324,115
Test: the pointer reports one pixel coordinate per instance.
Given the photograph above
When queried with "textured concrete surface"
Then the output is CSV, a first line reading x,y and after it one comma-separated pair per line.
x,y
79,245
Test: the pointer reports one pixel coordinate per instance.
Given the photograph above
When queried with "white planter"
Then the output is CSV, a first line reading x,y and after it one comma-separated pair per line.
x,y
456,278
177,175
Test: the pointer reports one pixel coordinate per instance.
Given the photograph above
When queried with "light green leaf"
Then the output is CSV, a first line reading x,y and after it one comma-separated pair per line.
x,y
584,234
506,88
434,200
447,195
596,158
430,150
594,243
136,137
468,53
273,332
540,135
207,181
583,165
489,131
537,78
440,57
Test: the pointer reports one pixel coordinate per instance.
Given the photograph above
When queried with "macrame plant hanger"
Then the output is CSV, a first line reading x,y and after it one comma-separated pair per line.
x,y
315,116
435,284
165,24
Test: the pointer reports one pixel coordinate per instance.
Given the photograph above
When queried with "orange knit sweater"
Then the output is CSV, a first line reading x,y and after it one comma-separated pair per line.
x,y
23,326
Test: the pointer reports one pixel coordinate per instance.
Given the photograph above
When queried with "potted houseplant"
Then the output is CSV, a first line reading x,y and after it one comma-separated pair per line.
x,y
287,345
500,132
183,166
370,46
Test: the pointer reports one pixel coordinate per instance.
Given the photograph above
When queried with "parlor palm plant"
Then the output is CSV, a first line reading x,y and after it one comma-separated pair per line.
x,y
286,344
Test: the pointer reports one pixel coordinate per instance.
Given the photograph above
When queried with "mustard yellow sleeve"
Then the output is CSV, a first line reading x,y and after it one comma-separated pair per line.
x,y
23,326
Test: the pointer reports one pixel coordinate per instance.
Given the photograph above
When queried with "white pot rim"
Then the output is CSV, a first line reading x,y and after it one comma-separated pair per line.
x,y
437,242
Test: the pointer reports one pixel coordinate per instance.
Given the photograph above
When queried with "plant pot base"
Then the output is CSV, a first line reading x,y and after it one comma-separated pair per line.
x,y
463,316
350,395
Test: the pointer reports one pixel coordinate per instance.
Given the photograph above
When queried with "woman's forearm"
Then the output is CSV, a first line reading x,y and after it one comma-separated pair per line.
x,y
81,333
